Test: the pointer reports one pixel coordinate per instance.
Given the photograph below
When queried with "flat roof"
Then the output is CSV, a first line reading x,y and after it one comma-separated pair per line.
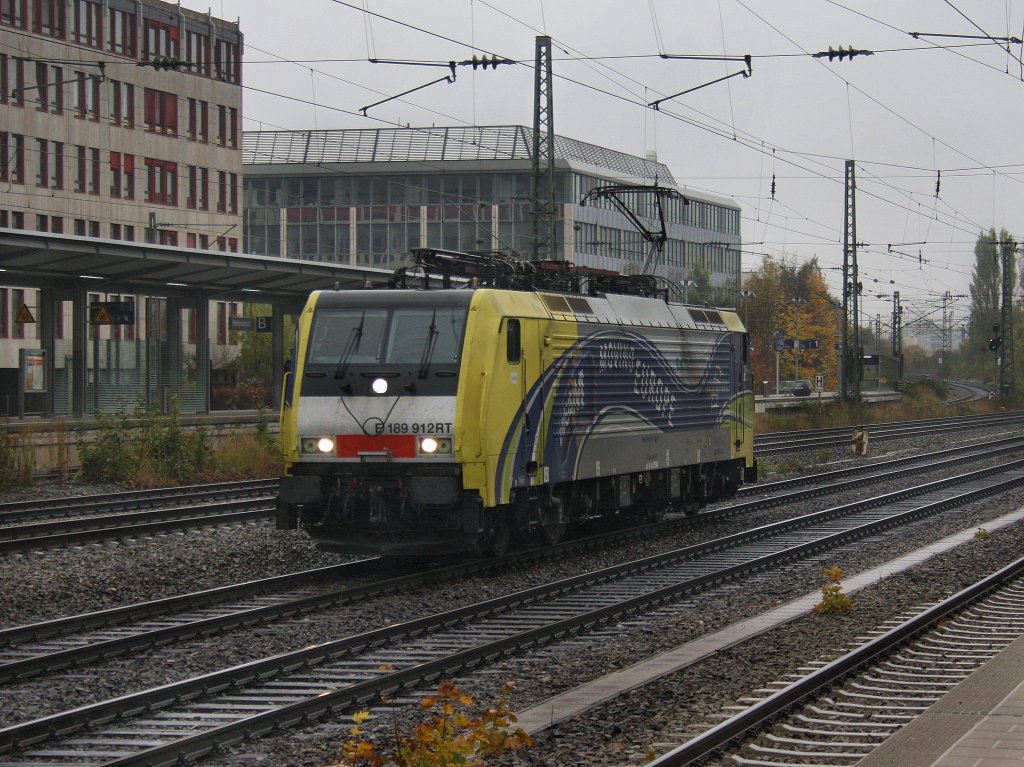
x,y
433,144
40,259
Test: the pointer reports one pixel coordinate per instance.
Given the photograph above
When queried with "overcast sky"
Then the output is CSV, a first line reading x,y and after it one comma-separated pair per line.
x,y
915,109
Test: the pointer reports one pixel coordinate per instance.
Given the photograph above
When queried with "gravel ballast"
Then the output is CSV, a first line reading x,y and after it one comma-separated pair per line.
x,y
40,586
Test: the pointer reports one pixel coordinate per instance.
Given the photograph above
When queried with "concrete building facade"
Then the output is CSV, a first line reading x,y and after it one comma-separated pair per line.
x,y
119,120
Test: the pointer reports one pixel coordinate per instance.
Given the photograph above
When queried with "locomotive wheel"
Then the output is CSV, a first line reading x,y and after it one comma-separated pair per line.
x,y
552,532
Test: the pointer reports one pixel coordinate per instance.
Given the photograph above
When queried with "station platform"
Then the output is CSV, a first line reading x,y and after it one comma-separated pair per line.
x,y
979,723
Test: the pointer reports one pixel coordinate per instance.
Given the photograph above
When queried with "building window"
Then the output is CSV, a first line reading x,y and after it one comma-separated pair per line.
x,y
222,125
12,13
49,17
233,193
122,104
57,166
203,190
88,23
42,223
121,32
94,173
12,80
115,176
193,180
161,40
42,163
5,313
197,52
204,121
115,231
80,169
12,157
226,61
49,88
87,96
161,112
232,127
56,224
162,182
222,191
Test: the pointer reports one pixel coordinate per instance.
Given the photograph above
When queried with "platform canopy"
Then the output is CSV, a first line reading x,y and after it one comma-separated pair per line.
x,y
40,260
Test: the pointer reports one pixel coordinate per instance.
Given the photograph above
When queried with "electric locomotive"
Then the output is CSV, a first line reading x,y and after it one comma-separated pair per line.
x,y
511,402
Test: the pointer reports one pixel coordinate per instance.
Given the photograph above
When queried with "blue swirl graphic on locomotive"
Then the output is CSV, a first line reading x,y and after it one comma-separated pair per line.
x,y
638,384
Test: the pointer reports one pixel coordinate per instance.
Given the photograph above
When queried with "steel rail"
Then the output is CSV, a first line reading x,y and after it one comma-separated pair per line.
x,y
548,630
56,540
755,717
19,511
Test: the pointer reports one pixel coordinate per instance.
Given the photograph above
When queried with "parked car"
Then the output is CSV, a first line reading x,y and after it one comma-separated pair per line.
x,y
799,388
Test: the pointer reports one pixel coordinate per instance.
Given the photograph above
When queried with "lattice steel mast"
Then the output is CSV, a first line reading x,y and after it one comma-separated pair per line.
x,y
542,191
852,356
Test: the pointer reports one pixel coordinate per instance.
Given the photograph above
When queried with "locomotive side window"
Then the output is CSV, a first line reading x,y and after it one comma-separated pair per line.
x,y
514,342
358,331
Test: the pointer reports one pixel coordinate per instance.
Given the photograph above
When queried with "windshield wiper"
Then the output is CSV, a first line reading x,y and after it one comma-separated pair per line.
x,y
428,347
351,346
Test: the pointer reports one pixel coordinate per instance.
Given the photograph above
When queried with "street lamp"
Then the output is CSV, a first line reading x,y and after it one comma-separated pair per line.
x,y
796,342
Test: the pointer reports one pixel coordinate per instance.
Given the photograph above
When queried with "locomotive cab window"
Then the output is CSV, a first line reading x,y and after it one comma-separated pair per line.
x,y
356,333
426,335
514,342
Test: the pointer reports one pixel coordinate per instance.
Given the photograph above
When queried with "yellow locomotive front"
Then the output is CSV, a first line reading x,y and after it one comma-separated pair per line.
x,y
368,424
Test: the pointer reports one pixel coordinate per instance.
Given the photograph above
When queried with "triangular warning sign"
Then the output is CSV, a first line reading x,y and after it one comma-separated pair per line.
x,y
102,316
24,315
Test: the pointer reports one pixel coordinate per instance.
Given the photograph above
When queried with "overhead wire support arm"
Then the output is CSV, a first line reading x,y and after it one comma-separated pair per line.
x,y
656,105
446,79
994,39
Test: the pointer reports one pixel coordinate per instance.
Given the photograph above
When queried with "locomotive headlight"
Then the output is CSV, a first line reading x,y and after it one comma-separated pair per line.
x,y
317,445
435,446
380,385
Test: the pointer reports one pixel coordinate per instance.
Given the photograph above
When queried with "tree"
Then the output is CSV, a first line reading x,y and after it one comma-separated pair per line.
x,y
986,290
787,295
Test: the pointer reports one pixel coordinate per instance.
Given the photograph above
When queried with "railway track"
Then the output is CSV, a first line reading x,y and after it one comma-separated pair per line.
x,y
31,525
841,710
187,719
53,645
787,442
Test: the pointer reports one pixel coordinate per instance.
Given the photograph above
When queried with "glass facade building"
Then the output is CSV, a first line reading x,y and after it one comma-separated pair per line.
x,y
366,197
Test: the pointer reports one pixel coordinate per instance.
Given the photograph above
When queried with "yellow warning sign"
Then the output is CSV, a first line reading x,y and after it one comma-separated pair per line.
x,y
24,315
102,316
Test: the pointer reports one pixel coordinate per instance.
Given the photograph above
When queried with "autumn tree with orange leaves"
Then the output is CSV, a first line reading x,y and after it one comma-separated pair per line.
x,y
774,310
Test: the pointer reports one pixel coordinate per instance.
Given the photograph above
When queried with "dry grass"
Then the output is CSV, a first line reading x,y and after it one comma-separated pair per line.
x,y
919,402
